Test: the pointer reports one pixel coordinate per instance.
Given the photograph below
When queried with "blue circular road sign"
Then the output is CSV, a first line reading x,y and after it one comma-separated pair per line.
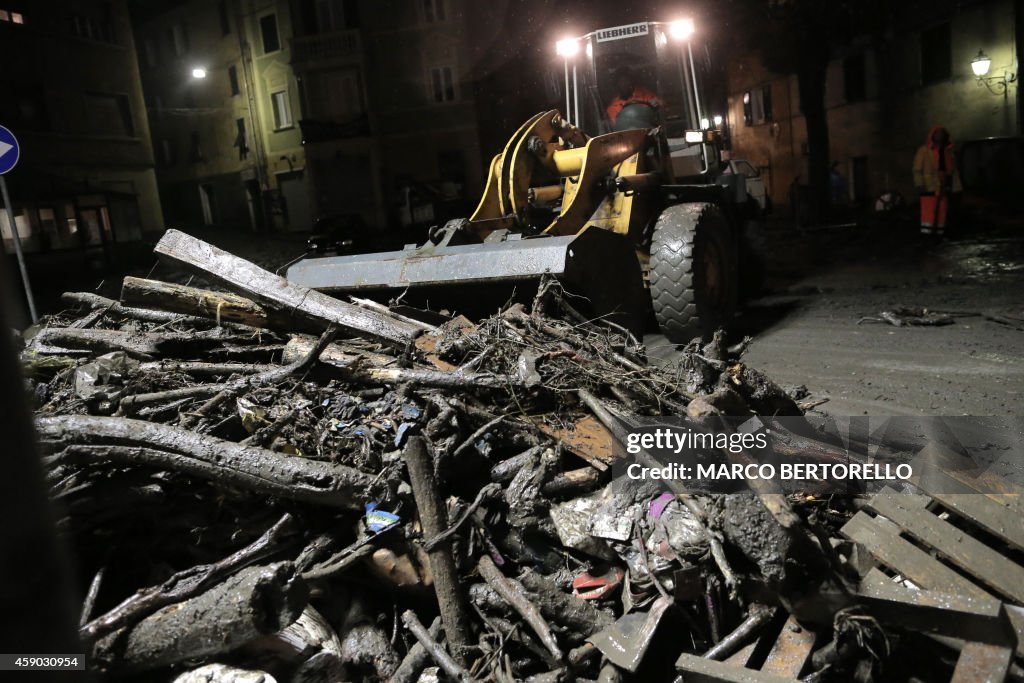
x,y
9,151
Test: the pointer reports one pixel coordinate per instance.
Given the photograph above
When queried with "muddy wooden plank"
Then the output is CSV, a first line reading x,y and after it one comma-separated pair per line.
x,y
952,615
791,651
982,663
700,670
906,558
588,439
933,462
999,517
982,562
878,584
275,292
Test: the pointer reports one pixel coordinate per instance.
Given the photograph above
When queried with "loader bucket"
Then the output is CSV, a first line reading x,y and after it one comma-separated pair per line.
x,y
596,264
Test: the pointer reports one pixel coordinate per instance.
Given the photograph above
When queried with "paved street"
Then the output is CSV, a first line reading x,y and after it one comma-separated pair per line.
x,y
806,331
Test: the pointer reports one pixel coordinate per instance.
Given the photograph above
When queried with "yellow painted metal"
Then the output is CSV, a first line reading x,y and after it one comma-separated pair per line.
x,y
489,207
569,162
616,210
601,155
505,171
524,161
544,194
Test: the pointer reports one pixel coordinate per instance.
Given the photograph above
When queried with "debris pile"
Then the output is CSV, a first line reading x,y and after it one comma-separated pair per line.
x,y
272,484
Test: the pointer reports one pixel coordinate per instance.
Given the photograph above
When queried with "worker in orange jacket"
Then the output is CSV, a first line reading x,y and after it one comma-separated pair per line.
x,y
936,180
627,92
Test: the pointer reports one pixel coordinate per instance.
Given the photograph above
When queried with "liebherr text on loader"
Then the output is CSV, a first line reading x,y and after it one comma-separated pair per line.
x,y
633,214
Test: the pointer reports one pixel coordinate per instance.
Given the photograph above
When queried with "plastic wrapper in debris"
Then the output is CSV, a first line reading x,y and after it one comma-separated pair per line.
x,y
102,379
378,520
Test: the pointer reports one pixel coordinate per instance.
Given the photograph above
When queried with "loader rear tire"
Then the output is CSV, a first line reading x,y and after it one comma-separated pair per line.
x,y
692,271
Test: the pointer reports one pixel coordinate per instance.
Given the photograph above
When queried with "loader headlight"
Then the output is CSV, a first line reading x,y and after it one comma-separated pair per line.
x,y
694,137
567,47
681,29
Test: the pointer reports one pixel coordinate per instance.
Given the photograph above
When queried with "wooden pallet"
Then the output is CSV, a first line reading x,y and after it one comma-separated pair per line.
x,y
789,650
907,535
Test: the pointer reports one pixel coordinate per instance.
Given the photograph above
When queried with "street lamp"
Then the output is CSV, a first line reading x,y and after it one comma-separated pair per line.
x,y
198,73
567,49
997,85
981,64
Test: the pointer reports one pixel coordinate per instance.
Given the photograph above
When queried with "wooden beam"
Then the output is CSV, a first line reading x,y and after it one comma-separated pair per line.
x,y
303,305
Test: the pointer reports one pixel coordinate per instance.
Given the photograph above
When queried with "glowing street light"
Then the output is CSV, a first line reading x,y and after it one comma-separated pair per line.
x,y
981,64
198,72
681,29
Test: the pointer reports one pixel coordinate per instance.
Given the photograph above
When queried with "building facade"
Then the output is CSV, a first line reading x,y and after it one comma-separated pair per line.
x,y
85,178
223,107
883,93
389,116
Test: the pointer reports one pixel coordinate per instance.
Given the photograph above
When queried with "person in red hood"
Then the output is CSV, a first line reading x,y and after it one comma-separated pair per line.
x,y
936,180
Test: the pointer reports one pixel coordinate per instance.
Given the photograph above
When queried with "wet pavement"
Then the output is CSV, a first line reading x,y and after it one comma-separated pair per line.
x,y
812,329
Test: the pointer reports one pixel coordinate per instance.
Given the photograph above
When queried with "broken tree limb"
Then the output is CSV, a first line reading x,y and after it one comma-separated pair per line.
x,y
257,601
231,390
137,442
416,659
434,649
562,607
185,584
97,302
515,595
335,354
364,368
131,404
434,520
140,345
201,368
301,304
202,304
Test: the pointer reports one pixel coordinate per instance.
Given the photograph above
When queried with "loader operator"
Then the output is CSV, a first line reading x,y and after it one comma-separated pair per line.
x,y
628,92
937,181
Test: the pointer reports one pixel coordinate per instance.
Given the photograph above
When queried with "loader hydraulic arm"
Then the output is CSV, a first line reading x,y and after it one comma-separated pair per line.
x,y
546,146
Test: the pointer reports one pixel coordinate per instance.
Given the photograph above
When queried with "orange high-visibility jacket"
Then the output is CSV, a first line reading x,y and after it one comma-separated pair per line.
x,y
640,94
926,165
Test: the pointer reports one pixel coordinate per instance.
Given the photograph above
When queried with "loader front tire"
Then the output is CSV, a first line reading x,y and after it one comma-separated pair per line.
x,y
693,274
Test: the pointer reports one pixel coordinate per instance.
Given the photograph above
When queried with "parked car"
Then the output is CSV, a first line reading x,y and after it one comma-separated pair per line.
x,y
340,234
755,183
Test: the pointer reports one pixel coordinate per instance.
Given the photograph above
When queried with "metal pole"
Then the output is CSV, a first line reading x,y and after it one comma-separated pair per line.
x,y
693,74
687,91
568,111
17,250
575,97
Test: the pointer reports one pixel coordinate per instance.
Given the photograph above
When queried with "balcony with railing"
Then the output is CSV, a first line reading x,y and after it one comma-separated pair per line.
x,y
327,46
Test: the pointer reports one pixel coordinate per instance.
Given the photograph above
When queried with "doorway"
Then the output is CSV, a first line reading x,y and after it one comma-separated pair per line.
x,y
295,197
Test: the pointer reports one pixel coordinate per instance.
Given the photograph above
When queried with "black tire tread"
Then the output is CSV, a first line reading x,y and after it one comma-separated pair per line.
x,y
676,302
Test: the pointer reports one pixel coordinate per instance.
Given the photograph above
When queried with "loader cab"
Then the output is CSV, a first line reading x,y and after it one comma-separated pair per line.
x,y
660,57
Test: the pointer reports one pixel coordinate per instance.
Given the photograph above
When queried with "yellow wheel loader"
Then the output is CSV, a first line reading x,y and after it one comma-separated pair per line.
x,y
633,214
